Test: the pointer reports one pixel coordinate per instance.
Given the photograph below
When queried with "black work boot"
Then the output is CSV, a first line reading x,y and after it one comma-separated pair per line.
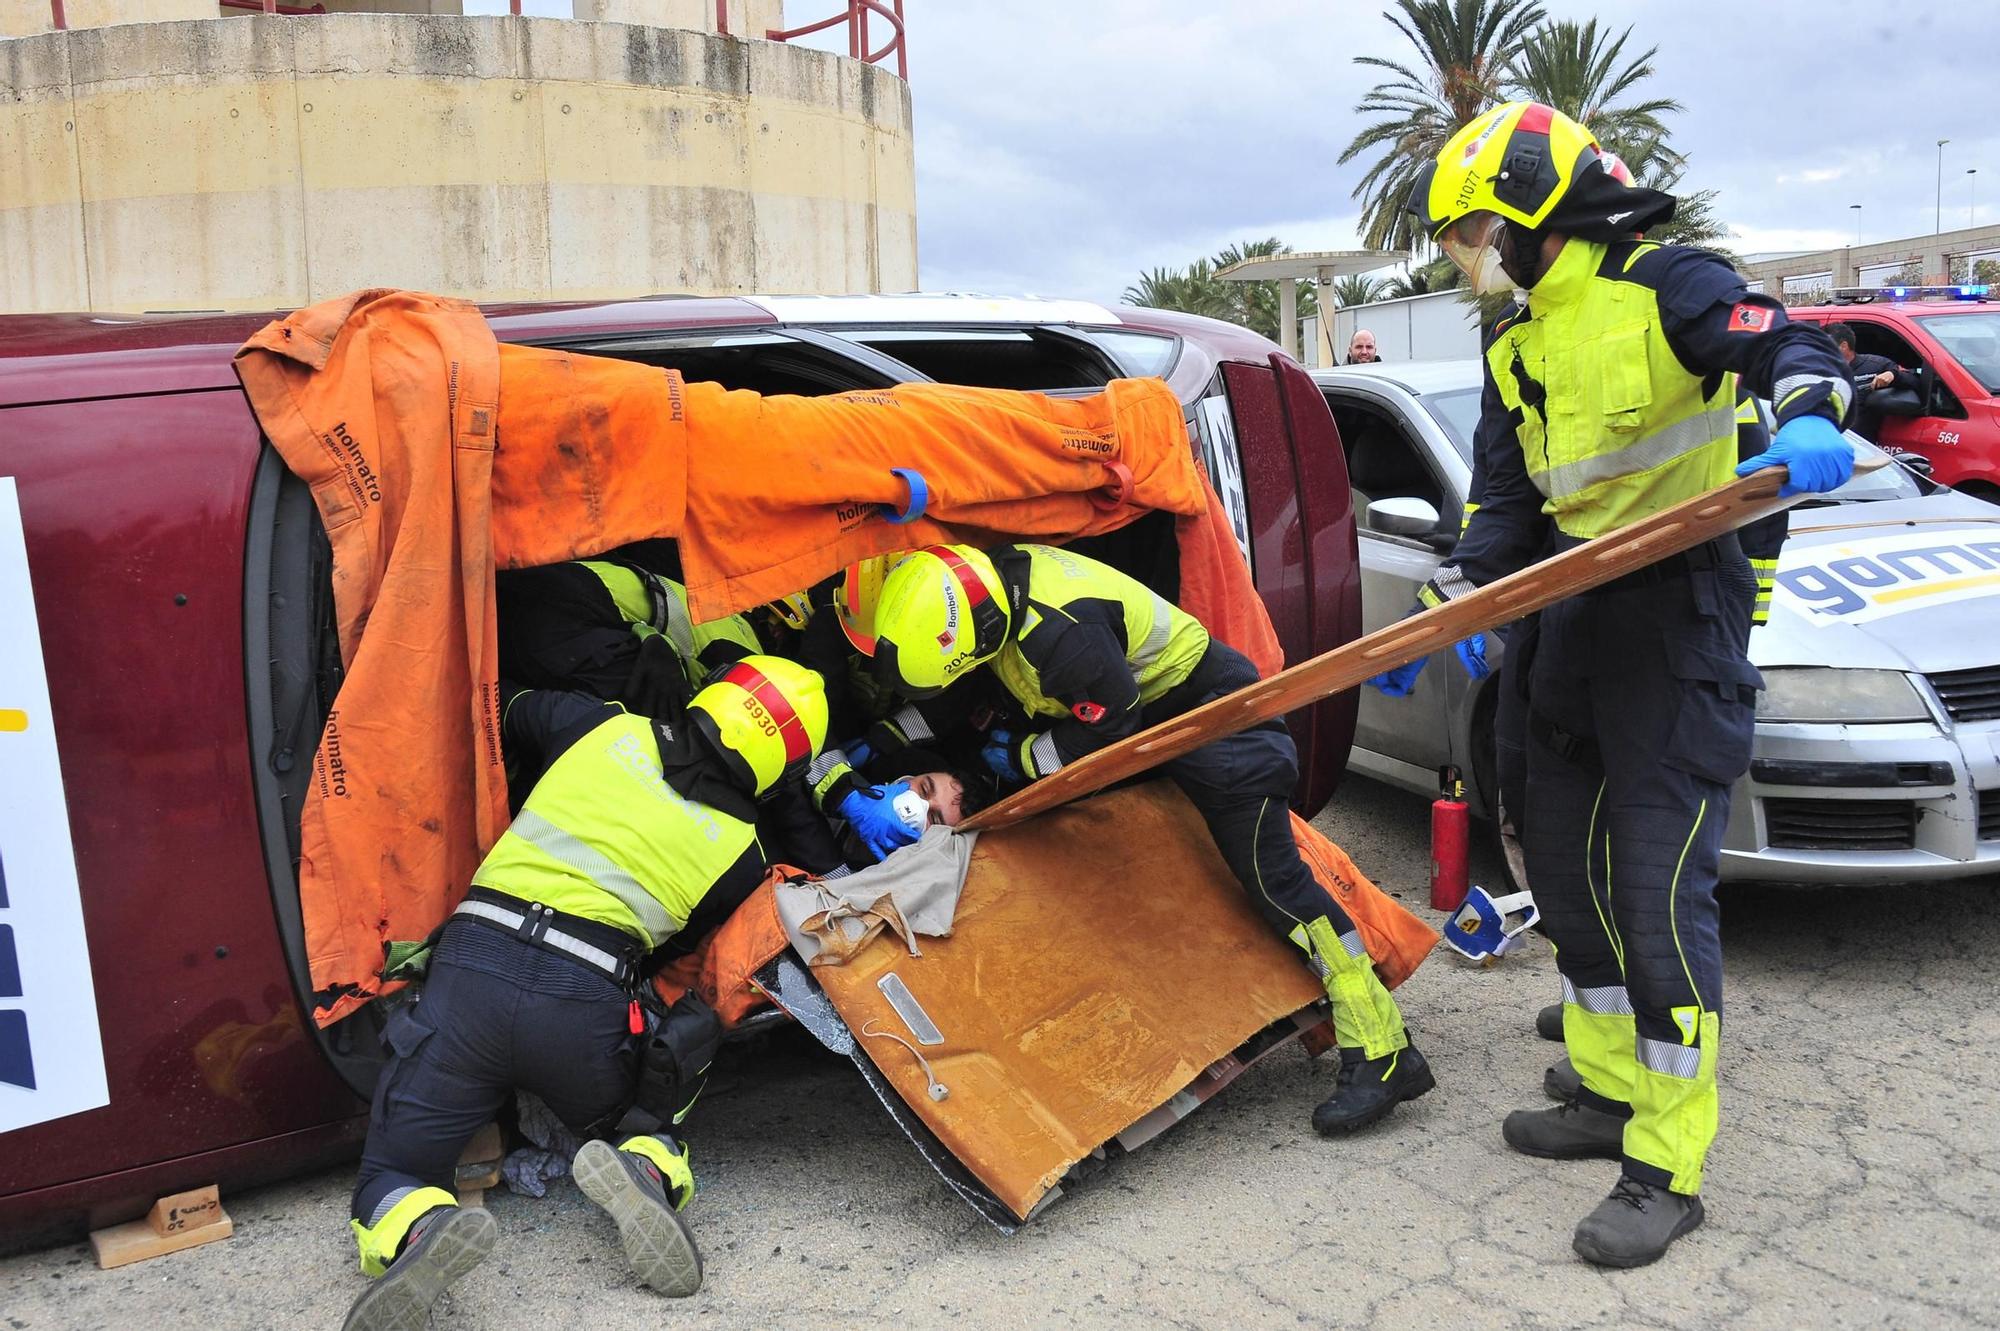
x,y
1368,1088
1549,1022
442,1246
1562,1081
1570,1131
1636,1224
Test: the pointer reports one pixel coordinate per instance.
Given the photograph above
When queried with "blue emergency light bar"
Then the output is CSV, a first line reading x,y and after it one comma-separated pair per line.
x,y
1866,295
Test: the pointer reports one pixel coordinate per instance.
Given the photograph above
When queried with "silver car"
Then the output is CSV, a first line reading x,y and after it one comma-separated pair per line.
x,y
1877,757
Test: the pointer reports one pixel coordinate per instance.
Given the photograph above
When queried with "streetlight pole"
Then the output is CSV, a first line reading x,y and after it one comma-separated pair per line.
x,y
1855,208
1971,193
1937,223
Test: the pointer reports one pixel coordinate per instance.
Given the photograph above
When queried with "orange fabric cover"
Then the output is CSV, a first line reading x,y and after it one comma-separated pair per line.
x,y
1000,466
407,788
1102,956
1397,940
1216,587
433,453
722,969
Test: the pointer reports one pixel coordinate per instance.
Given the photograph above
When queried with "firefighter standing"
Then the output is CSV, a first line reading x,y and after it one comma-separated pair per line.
x,y
1093,656
1618,393
638,834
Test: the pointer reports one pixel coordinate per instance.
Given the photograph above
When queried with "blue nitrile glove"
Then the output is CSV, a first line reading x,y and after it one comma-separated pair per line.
x,y
1397,683
1472,654
1820,457
871,812
998,755
858,753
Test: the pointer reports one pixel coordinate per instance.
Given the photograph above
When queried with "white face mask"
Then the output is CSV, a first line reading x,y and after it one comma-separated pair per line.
x,y
1487,276
1473,244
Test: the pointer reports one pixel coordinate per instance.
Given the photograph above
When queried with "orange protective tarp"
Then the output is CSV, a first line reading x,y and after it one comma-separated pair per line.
x,y
1102,956
435,454
1217,590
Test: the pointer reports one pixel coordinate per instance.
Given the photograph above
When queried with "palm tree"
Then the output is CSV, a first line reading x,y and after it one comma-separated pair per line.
x,y
1191,290
1357,289
1256,303
1423,279
1196,290
1584,74
1465,48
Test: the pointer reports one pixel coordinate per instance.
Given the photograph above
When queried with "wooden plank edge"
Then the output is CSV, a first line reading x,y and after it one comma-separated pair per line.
x,y
1592,564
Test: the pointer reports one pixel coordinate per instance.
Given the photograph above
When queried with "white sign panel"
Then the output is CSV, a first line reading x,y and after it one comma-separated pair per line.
x,y
51,1055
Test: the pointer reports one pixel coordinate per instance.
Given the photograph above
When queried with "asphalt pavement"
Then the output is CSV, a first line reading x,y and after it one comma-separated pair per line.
x,y
1856,1182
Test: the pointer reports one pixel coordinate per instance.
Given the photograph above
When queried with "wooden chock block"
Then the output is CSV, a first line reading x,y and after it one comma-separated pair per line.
x,y
479,1166
184,1220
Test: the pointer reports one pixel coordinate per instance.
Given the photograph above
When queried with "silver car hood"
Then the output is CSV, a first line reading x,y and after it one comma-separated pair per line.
x,y
1896,584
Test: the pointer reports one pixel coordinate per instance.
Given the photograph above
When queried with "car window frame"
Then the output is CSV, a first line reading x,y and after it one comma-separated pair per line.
x,y
1454,478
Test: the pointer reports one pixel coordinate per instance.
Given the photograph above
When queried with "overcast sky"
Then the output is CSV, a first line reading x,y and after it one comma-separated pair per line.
x,y
1065,147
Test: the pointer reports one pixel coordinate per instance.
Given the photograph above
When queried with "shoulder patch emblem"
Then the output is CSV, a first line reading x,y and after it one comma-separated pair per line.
x,y
1090,713
1747,318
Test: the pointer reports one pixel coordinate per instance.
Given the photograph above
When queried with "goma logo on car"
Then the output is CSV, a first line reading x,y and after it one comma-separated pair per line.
x,y
1857,581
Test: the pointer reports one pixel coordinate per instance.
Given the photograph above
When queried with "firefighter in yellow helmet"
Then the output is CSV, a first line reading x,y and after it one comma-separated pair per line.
x,y
1612,397
639,835
1092,656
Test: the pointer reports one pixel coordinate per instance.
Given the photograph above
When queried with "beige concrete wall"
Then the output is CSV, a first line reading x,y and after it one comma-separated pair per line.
x,y
20,18
270,162
1930,255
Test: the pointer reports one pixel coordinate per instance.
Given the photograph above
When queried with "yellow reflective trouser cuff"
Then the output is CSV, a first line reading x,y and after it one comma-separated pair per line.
x,y
1675,1108
1364,1015
1767,574
672,1159
380,1242
1597,1032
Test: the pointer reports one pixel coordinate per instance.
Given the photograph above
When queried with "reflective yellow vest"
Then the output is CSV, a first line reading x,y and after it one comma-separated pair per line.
x,y
652,603
603,836
1624,429
1162,641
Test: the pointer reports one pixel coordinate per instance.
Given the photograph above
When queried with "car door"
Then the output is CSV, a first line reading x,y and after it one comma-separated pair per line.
x,y
1932,434
1388,458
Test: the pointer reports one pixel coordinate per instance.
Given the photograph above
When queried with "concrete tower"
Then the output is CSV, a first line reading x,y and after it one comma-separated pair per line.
x,y
180,154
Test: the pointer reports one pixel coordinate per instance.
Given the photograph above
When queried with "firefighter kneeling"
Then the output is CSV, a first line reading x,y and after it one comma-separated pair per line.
x,y
1097,656
636,834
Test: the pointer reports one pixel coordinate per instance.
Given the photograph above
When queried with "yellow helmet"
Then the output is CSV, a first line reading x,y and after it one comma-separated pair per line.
x,y
765,716
1516,161
857,594
942,611
794,611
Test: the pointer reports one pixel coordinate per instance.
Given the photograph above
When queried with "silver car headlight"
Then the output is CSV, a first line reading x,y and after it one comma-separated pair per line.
x,y
1822,694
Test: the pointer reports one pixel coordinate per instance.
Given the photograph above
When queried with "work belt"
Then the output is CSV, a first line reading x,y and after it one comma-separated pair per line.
x,y
1723,550
611,952
1578,749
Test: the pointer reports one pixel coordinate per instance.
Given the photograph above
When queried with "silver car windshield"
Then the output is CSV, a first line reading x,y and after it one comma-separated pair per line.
x,y
1457,414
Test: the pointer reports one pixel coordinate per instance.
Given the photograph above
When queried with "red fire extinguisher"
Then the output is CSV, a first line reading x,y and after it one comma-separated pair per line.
x,y
1450,827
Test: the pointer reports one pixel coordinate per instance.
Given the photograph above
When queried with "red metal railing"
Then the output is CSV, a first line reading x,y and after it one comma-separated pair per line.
x,y
855,16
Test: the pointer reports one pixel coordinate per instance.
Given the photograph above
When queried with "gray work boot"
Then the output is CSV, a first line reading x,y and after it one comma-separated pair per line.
x,y
1562,1082
441,1248
1635,1225
1549,1022
631,1183
1570,1131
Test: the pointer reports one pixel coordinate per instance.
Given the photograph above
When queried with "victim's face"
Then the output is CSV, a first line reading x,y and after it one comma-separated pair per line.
x,y
945,796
